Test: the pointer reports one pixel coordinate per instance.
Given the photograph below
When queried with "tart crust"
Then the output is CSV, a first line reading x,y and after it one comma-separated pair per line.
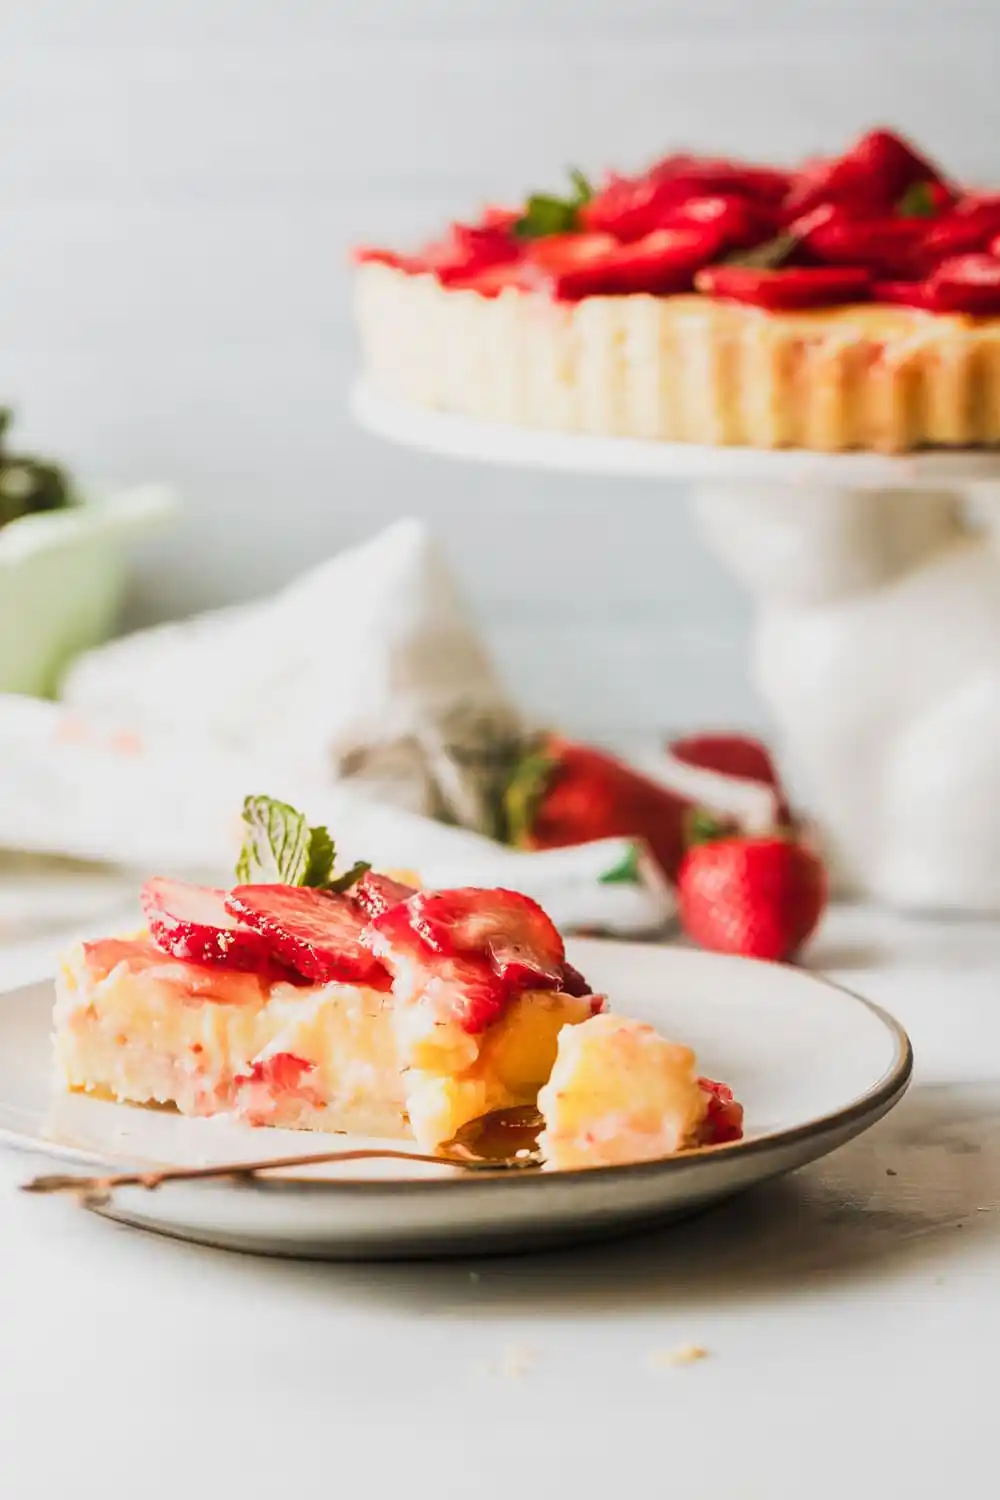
x,y
685,369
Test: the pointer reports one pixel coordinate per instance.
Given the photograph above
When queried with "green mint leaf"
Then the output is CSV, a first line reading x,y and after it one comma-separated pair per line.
x,y
626,871
350,877
545,215
279,848
917,202
276,845
767,256
582,183
321,855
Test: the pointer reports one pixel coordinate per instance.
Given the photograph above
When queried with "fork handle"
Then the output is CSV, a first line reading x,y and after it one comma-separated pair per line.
x,y
66,1182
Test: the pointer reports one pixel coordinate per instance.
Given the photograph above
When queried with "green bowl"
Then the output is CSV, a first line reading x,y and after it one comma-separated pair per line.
x,y
63,576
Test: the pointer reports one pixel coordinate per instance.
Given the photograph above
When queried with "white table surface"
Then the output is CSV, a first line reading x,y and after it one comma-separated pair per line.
x,y
850,1314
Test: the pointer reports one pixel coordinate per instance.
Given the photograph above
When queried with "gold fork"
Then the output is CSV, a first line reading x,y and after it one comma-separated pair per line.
x,y
503,1140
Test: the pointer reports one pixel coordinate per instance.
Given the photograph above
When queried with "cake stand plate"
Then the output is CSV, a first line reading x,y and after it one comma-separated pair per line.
x,y
877,635
454,436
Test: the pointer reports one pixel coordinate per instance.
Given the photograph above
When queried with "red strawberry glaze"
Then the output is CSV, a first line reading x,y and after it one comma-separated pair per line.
x,y
880,208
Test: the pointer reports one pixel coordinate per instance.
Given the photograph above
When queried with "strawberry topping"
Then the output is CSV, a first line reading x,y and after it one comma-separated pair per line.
x,y
904,294
786,290
724,1121
317,933
573,982
869,178
660,263
465,990
966,284
509,930
376,893
191,922
470,950
876,221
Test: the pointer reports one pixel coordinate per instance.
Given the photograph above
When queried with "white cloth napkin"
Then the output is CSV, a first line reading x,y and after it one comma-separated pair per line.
x,y
170,803
367,668
360,693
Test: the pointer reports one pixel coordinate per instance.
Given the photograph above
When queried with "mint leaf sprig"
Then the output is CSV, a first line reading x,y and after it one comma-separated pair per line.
x,y
280,848
545,213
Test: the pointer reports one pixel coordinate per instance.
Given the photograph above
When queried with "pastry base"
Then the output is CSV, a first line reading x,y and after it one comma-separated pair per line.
x,y
685,369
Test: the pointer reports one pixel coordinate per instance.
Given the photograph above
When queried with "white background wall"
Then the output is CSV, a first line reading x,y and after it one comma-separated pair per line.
x,y
180,181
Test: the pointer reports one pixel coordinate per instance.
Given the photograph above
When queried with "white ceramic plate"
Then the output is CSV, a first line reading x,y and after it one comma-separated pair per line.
x,y
813,1065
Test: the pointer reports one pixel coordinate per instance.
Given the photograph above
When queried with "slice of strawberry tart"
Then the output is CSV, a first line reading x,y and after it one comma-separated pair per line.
x,y
353,1004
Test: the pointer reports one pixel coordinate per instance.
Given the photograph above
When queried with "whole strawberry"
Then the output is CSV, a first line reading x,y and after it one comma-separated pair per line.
x,y
565,793
760,897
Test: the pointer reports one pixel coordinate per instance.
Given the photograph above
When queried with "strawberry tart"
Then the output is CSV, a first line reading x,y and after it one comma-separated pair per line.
x,y
850,303
366,1005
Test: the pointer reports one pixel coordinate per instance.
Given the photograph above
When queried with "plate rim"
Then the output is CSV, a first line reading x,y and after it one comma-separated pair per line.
x,y
883,1094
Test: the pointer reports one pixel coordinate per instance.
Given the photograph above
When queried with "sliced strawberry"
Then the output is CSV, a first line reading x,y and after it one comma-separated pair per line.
x,y
376,893
665,261
971,225
887,246
509,930
966,284
632,207
628,208
570,266
192,922
789,289
572,981
465,990
869,178
468,249
272,1081
375,255
738,221
724,1121
494,216
661,263
729,754
281,1072
712,174
495,279
905,294
317,933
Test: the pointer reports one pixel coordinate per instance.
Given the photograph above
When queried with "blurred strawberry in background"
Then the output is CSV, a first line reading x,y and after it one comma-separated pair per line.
x,y
563,793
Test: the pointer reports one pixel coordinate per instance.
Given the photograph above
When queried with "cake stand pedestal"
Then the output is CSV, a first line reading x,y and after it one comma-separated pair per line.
x,y
876,582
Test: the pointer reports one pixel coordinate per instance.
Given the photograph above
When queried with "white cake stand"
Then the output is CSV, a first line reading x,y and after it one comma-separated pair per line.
x,y
877,640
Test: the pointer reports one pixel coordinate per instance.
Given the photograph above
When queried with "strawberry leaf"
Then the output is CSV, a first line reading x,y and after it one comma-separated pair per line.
x,y
626,871
524,793
767,256
917,202
703,827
